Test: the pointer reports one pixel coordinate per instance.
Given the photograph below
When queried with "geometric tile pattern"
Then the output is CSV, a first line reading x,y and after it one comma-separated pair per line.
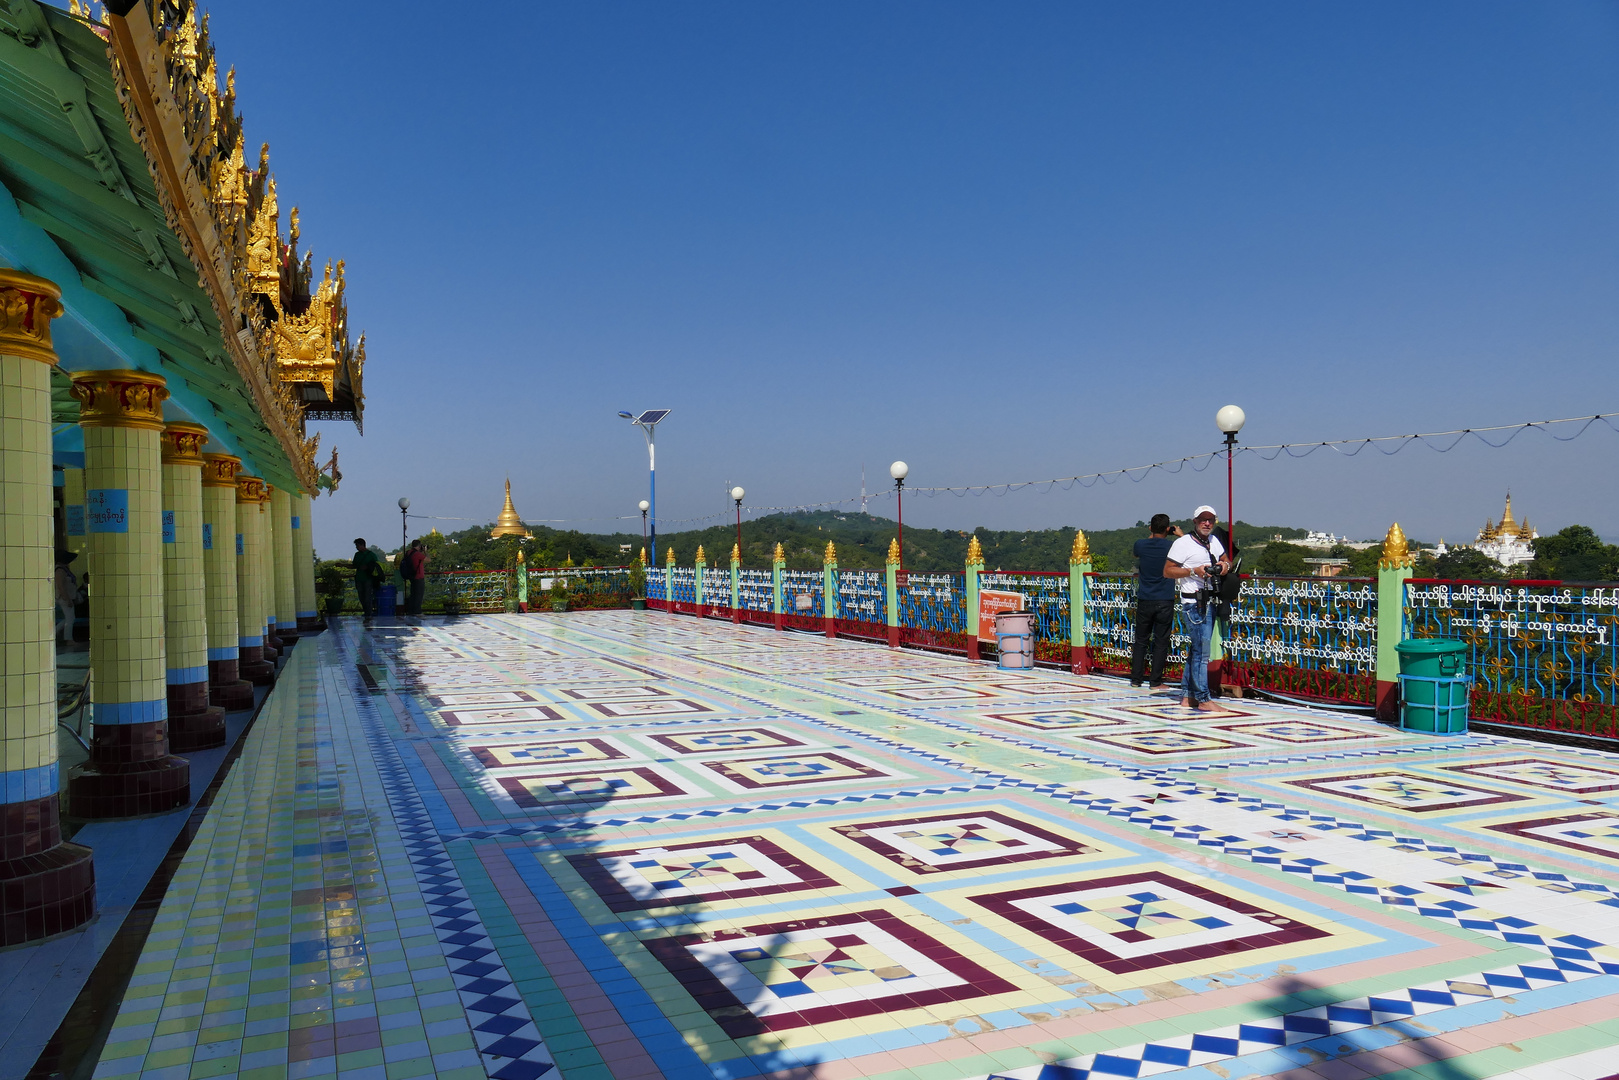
x,y
640,845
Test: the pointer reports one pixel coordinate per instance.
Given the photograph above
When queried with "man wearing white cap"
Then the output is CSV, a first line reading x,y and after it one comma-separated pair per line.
x,y
1190,560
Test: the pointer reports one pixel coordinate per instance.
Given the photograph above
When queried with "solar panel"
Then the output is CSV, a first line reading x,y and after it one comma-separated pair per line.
x,y
652,416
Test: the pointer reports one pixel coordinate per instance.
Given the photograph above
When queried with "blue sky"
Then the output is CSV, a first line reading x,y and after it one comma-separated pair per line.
x,y
997,241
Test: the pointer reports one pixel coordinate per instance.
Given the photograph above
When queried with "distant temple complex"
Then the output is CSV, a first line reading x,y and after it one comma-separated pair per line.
x,y
508,524
1507,542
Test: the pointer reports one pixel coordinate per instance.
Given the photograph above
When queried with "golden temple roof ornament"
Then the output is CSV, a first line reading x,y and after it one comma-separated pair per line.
x,y
975,553
831,556
893,551
779,555
1507,524
1081,551
1396,550
509,524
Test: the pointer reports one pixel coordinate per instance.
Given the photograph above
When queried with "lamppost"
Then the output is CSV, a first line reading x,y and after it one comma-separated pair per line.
x,y
646,422
899,470
736,497
404,524
1230,420
645,506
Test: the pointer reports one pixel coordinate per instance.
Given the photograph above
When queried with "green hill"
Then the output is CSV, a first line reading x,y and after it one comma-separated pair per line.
x,y
861,540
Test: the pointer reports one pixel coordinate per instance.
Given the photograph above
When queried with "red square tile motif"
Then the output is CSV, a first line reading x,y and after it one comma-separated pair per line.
x,y
1134,922
1573,778
638,878
787,770
942,842
551,752
707,742
595,786
1412,792
1594,834
782,975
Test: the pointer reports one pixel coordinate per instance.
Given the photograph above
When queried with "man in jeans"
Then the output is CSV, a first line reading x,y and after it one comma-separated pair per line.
x,y
367,572
1155,602
1189,562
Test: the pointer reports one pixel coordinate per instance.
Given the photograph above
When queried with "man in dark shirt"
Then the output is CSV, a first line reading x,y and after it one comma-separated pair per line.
x,y
1155,602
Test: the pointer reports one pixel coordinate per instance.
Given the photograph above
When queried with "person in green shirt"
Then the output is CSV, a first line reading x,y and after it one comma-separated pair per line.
x,y
367,576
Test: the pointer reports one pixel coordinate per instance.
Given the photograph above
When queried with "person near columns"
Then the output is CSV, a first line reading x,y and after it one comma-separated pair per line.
x,y
413,570
1155,602
130,771
251,662
226,687
194,724
46,886
367,576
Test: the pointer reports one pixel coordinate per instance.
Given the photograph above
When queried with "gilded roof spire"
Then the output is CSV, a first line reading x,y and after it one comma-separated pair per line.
x,y
508,524
1507,524
1081,551
1396,550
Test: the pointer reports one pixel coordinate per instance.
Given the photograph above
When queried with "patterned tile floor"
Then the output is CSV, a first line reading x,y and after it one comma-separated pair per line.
x,y
635,846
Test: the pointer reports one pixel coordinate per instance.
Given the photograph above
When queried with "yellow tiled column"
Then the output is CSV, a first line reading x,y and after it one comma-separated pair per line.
x,y
73,511
285,610
193,723
130,770
303,564
46,886
225,685
250,584
264,572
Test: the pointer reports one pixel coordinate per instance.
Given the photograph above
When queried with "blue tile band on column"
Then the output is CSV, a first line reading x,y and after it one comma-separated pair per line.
x,y
227,652
249,643
108,509
306,614
181,676
295,522
168,526
21,785
130,712
75,520
207,536
238,543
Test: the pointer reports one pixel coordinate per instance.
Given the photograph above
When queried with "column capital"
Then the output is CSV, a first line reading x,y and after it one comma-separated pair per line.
x,y
131,399
27,306
183,442
219,470
249,489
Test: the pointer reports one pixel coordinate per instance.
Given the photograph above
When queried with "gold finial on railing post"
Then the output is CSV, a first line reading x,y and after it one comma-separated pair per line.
x,y
893,552
831,554
1081,552
671,559
642,557
700,556
1396,550
736,553
975,553
779,556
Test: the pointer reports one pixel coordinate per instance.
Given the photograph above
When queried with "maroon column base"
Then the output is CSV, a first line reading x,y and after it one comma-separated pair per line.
x,y
46,887
286,637
252,666
972,647
893,637
270,651
1080,659
130,773
307,624
1388,701
193,725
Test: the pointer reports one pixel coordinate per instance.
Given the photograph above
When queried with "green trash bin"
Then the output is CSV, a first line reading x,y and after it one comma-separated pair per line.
x,y
1433,685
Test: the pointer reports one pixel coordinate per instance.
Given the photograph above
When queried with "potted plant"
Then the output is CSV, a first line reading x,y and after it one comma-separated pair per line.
x,y
331,586
637,586
559,593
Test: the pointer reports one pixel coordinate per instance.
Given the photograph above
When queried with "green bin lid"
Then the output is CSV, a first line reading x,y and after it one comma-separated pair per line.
x,y
1429,646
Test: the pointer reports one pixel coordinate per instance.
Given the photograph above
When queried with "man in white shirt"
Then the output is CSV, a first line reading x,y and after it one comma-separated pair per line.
x,y
1190,559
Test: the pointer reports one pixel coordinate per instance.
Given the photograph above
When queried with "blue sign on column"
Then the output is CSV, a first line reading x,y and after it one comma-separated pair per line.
x,y
207,536
238,543
75,520
108,509
168,526
295,521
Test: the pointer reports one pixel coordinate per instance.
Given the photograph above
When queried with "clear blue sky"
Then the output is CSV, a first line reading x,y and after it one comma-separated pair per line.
x,y
998,241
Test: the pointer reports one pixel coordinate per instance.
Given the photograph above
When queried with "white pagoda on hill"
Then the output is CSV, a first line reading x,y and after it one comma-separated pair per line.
x,y
1507,542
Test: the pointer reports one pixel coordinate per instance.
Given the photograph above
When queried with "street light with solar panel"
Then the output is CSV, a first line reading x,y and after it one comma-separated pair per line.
x,y
647,421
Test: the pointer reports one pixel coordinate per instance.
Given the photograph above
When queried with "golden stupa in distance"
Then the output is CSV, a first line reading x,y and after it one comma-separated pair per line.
x,y
508,524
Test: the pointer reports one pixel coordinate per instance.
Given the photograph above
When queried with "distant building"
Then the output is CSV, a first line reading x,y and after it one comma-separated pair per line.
x,y
509,524
1507,542
1326,567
